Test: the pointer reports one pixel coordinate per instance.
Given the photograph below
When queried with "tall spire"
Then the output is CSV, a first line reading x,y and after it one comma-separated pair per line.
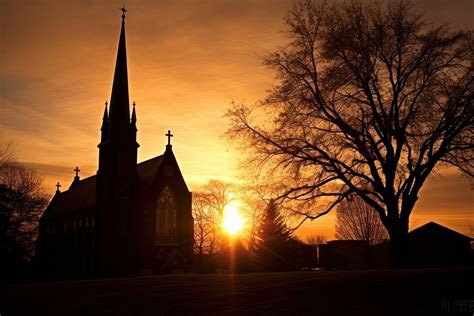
x,y
119,112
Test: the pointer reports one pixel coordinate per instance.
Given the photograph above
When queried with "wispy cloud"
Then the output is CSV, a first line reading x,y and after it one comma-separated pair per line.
x,y
187,60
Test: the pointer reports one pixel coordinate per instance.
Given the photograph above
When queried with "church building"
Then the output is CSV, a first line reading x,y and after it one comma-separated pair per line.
x,y
129,218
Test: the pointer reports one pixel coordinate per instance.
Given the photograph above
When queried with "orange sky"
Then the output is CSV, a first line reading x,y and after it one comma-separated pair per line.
x,y
187,61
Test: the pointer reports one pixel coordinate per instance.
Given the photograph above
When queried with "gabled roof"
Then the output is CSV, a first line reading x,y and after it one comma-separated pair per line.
x,y
82,194
147,169
433,228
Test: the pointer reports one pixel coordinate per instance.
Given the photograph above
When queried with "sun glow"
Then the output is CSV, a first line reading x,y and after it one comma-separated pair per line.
x,y
233,221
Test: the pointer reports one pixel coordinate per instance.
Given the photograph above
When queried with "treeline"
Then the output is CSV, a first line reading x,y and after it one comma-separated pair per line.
x,y
266,243
22,202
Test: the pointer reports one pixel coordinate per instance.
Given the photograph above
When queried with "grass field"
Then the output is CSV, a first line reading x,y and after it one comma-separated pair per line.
x,y
382,292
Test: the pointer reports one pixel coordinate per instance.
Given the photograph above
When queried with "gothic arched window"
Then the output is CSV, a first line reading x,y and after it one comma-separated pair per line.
x,y
166,218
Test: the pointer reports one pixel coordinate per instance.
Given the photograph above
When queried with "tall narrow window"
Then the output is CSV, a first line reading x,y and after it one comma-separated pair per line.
x,y
166,218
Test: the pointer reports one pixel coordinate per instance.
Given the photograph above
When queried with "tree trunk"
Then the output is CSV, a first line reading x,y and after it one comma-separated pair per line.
x,y
398,232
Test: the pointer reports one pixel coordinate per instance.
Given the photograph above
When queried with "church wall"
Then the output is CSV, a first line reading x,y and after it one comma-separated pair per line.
x,y
154,255
65,245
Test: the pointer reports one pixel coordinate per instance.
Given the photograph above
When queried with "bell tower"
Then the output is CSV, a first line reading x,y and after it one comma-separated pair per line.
x,y
117,180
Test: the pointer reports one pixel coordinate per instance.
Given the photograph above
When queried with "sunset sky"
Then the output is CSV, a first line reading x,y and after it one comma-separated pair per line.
x,y
187,60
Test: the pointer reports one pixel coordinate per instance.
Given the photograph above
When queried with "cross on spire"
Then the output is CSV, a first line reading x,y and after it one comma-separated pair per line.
x,y
58,185
123,11
77,170
169,137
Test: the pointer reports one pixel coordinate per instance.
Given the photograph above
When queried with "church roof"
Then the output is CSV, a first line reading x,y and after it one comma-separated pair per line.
x,y
82,194
147,169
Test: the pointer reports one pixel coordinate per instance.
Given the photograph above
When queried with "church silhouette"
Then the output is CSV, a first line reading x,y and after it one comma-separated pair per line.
x,y
129,218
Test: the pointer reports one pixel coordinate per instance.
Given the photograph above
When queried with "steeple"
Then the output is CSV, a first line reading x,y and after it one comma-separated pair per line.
x,y
133,127
117,178
133,120
118,146
119,112
105,124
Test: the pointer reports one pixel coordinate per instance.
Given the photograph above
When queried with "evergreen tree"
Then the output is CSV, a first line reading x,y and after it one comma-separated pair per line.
x,y
272,248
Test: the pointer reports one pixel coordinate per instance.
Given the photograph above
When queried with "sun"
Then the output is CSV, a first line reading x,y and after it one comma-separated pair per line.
x,y
232,222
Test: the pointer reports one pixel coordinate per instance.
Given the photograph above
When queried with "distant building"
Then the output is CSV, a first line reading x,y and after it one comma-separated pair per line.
x,y
436,245
127,219
428,245
344,254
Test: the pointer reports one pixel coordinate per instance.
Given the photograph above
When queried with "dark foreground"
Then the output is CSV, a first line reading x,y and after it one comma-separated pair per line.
x,y
387,292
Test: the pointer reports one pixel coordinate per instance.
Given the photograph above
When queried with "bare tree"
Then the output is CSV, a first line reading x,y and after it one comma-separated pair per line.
x,y
206,225
316,239
6,157
201,231
22,202
208,207
371,99
254,210
218,194
356,220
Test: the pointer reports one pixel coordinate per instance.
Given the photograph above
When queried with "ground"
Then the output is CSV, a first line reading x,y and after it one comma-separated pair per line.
x,y
381,292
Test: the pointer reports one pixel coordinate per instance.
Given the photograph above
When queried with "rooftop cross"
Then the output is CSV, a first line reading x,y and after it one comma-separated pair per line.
x,y
77,171
58,186
169,137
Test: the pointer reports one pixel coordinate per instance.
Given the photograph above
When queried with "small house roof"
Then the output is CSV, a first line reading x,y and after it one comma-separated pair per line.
x,y
432,228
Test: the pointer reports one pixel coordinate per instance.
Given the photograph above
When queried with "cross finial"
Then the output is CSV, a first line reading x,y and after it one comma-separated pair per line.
x,y
58,186
169,137
123,11
77,171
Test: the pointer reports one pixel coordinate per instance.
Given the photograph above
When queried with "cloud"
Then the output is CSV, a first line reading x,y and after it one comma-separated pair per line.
x,y
187,60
